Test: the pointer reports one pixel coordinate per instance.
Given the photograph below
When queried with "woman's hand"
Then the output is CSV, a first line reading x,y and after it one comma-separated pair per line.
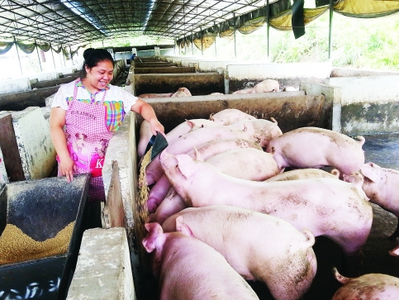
x,y
156,127
148,113
67,167
57,123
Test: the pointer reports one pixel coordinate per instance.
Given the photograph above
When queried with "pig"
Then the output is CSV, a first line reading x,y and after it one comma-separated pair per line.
x,y
214,147
182,92
187,126
266,86
207,150
244,238
245,163
290,89
229,116
304,173
371,286
187,268
171,204
265,130
155,95
244,91
326,206
380,185
261,132
313,147
157,193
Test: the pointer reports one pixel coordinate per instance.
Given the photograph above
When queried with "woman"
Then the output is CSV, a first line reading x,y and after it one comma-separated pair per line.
x,y
84,115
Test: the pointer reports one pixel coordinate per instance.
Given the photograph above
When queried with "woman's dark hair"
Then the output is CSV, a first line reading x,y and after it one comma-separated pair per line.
x,y
93,57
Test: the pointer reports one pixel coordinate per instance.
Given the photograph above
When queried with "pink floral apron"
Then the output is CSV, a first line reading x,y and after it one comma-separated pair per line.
x,y
87,141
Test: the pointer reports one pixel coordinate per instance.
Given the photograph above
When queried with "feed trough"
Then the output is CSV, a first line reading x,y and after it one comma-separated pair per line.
x,y
41,226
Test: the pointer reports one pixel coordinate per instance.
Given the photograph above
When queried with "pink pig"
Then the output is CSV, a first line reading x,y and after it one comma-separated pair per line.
x,y
304,173
313,147
171,204
326,206
155,95
381,186
264,130
210,149
371,286
187,126
245,163
229,116
187,268
267,86
244,91
244,237
182,92
259,131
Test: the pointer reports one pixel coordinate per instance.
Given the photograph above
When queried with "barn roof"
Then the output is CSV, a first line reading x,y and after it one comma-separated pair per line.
x,y
74,22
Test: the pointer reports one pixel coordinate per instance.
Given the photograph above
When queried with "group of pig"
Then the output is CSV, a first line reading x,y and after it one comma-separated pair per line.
x,y
265,86
233,198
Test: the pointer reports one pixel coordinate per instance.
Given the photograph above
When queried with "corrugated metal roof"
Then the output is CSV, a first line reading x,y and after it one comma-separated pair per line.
x,y
76,22
73,22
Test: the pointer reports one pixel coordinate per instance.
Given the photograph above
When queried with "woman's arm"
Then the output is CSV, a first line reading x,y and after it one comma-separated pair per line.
x,y
57,122
147,112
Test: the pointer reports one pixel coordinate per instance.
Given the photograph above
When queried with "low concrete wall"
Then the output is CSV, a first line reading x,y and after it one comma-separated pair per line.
x,y
104,267
332,95
26,144
242,74
24,84
351,72
290,109
197,83
32,133
15,85
369,104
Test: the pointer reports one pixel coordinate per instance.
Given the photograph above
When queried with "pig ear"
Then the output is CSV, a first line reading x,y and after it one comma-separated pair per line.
x,y
198,155
356,179
182,227
185,163
154,229
190,123
369,172
148,244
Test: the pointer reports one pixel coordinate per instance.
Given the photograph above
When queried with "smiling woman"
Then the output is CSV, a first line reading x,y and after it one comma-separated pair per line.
x,y
85,113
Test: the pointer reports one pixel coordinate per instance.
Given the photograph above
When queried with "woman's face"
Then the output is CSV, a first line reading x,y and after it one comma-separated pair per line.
x,y
99,76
